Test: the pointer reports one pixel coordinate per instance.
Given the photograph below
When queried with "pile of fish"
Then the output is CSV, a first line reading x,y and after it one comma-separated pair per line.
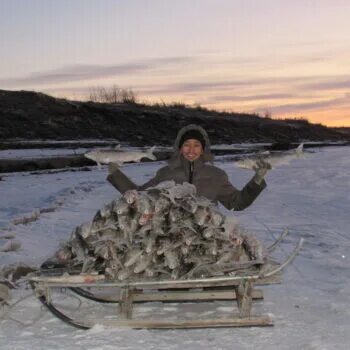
x,y
166,232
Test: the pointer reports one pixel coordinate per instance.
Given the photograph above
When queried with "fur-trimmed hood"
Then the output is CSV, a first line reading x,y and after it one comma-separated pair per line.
x,y
205,157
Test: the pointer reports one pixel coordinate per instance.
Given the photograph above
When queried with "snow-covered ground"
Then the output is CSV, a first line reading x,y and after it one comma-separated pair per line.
x,y
311,309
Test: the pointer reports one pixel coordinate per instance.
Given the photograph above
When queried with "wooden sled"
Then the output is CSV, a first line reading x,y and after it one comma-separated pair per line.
x,y
239,288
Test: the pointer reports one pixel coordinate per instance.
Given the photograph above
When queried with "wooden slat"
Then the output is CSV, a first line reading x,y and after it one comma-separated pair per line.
x,y
218,322
57,282
178,296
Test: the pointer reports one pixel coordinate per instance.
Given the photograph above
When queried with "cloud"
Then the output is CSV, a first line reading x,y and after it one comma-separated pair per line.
x,y
285,82
307,106
80,72
233,98
334,83
197,87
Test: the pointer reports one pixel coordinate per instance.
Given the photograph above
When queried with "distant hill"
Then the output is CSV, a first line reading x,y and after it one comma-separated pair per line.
x,y
31,115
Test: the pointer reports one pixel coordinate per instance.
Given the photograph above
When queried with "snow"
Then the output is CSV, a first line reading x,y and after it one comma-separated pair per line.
x,y
311,308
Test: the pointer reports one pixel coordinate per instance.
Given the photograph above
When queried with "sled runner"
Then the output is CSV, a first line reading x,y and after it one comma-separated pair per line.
x,y
238,286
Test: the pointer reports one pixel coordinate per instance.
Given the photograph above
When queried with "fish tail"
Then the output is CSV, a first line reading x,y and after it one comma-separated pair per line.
x,y
150,153
300,149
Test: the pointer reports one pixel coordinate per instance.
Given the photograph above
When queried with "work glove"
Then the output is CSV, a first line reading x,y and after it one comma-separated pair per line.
x,y
112,167
261,168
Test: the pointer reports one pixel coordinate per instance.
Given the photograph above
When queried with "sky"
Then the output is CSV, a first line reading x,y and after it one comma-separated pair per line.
x,y
281,58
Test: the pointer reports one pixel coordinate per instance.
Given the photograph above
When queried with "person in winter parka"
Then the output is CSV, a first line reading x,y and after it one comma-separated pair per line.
x,y
192,162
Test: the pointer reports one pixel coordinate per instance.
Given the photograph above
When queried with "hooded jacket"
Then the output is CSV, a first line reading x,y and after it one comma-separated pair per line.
x,y
210,181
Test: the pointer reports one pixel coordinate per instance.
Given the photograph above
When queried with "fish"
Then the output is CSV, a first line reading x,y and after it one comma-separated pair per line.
x,y
88,264
124,274
184,250
150,243
161,205
131,196
164,245
78,245
189,237
102,250
111,273
119,156
172,259
158,221
84,230
163,186
149,272
97,224
177,272
273,160
144,205
225,257
121,207
199,271
144,219
64,254
210,231
143,263
189,204
201,216
216,218
240,254
4,294
132,257
159,231
175,214
213,248
187,224
128,226
180,191
254,247
106,211
101,232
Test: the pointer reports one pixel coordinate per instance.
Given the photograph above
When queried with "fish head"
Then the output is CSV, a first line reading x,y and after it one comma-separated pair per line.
x,y
161,204
152,157
150,154
93,155
201,216
130,196
121,207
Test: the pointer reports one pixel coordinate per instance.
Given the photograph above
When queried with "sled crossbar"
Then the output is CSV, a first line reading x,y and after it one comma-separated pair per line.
x,y
259,321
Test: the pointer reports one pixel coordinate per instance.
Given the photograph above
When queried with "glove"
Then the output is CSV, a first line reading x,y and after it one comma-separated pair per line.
x,y
261,168
112,167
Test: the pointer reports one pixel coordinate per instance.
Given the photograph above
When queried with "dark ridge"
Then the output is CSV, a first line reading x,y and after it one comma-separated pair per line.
x,y
29,115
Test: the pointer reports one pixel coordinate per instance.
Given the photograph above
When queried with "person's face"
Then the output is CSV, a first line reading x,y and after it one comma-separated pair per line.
x,y
191,149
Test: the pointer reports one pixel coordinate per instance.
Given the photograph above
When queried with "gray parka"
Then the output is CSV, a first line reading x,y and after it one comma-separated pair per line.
x,y
210,181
